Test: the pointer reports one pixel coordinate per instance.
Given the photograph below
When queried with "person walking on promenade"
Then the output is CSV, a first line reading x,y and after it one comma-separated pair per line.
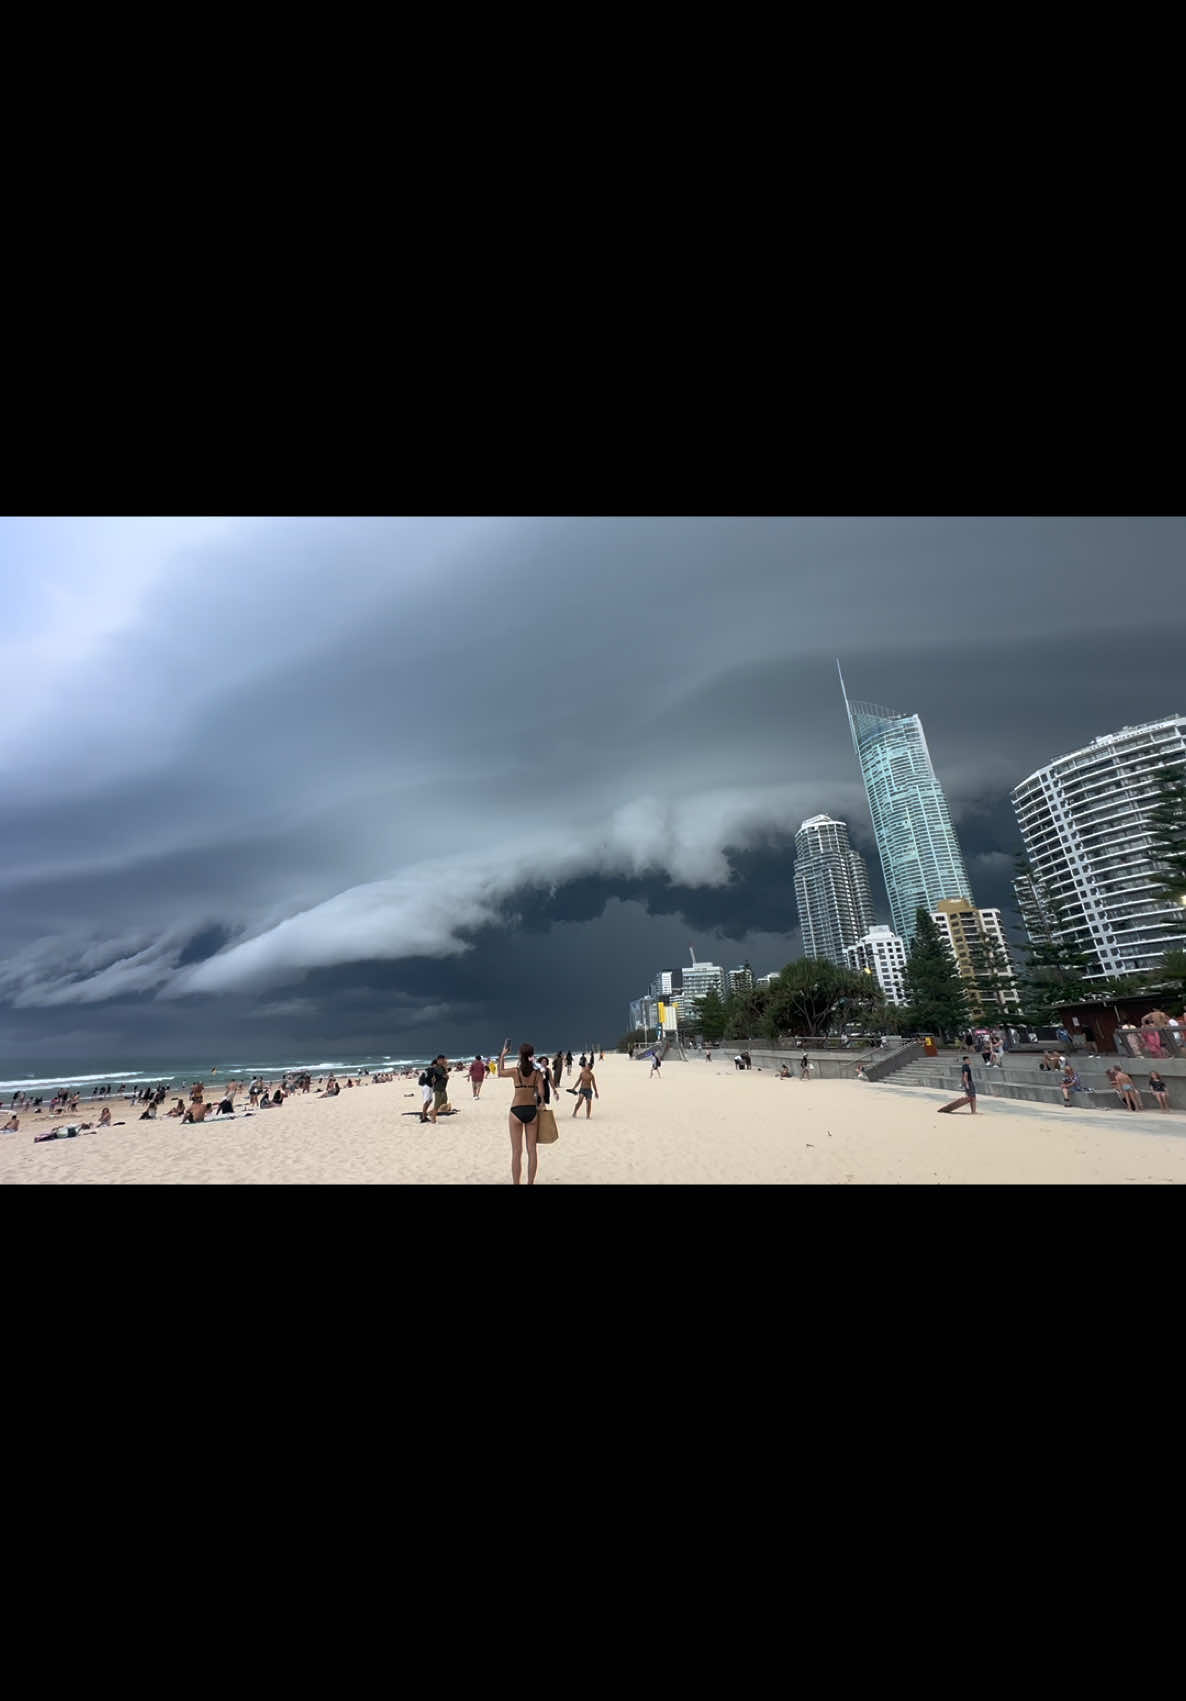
x,y
524,1109
477,1074
586,1087
969,1094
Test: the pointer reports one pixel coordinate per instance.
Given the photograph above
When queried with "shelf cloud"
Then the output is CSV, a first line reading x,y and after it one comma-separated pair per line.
x,y
253,762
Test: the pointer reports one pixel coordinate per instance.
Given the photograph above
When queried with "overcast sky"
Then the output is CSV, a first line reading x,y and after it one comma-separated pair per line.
x,y
401,784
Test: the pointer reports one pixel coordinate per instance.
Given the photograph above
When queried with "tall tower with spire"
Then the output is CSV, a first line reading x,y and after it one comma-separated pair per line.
x,y
920,854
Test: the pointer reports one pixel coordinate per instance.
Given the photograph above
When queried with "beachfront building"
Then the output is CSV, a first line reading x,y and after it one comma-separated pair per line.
x,y
742,979
976,939
658,1007
920,855
881,953
696,981
831,889
1084,821
653,1014
767,980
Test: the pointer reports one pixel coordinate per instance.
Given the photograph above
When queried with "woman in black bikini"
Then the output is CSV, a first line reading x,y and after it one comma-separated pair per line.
x,y
524,1106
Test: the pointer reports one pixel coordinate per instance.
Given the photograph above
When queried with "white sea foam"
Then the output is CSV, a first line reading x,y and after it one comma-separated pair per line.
x,y
115,1076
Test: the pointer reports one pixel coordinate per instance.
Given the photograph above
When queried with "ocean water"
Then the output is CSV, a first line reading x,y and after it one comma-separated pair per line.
x,y
49,1075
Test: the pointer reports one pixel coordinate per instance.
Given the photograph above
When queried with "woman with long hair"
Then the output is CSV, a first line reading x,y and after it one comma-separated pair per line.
x,y
525,1100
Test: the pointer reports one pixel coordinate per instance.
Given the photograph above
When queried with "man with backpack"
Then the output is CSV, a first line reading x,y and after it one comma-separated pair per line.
x,y
434,1084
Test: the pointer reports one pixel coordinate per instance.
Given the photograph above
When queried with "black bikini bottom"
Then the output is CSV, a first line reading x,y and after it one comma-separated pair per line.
x,y
525,1113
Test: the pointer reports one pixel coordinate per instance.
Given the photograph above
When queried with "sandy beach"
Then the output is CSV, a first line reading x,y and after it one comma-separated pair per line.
x,y
700,1123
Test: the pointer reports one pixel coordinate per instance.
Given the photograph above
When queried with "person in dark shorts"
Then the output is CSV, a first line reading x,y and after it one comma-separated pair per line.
x,y
656,1061
1158,1088
969,1095
438,1080
524,1110
586,1088
568,1062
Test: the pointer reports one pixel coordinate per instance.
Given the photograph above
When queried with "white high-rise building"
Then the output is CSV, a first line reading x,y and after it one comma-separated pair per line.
x,y
1084,821
881,953
831,889
696,981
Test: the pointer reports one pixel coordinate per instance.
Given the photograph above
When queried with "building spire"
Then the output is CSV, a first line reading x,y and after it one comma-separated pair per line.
x,y
852,725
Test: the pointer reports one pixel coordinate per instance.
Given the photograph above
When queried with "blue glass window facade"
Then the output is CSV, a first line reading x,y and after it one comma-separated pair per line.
x,y
920,854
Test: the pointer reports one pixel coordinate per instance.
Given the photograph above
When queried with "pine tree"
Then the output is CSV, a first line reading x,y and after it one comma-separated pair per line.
x,y
1056,968
990,979
936,995
747,1012
1172,973
712,1015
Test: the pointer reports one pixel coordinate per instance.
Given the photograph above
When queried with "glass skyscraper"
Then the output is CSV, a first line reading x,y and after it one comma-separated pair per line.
x,y
920,855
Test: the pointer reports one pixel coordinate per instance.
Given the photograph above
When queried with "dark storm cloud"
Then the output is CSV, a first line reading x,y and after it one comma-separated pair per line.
x,y
290,759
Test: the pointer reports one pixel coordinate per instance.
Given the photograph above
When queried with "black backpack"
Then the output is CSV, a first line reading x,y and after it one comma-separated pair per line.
x,y
423,1082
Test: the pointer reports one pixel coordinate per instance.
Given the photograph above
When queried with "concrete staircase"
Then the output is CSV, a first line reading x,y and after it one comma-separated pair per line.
x,y
1020,1078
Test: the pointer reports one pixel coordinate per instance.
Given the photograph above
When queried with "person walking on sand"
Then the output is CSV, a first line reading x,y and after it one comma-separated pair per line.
x,y
438,1074
557,1070
524,1109
655,1063
969,1095
586,1088
477,1074
568,1062
426,1097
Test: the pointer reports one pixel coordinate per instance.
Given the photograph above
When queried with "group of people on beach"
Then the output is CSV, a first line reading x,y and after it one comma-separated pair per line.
x,y
1123,1085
